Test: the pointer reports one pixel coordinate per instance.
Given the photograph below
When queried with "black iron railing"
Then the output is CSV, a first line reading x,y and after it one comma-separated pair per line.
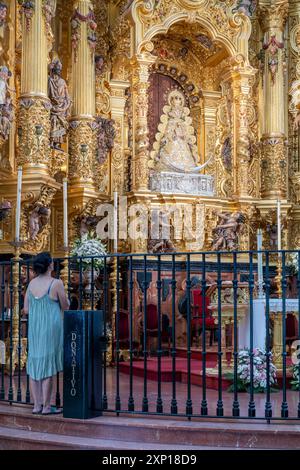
x,y
174,324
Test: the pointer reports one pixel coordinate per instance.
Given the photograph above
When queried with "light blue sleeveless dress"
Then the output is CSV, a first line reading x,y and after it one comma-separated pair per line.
x,y
45,336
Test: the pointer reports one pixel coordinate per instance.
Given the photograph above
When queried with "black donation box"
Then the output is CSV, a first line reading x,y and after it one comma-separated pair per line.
x,y
83,350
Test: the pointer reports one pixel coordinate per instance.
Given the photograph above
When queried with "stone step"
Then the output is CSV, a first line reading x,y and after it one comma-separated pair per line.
x,y
17,439
158,430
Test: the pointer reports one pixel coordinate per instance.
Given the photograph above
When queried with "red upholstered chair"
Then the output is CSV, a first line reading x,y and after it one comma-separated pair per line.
x,y
152,320
124,337
152,328
291,330
197,316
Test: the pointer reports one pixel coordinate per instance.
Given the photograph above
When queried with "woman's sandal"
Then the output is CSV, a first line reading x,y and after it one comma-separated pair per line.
x,y
53,411
38,412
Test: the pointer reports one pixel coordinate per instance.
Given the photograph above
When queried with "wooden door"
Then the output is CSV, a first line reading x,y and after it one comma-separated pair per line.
x,y
160,85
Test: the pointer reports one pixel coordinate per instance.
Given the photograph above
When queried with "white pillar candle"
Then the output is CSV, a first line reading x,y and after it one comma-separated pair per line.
x,y
65,205
18,207
115,222
260,264
278,225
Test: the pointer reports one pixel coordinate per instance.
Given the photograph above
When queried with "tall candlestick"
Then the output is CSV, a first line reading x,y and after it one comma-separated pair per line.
x,y
260,264
65,204
18,208
115,222
278,225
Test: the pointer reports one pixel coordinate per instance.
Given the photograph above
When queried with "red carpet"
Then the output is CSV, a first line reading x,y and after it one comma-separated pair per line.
x,y
181,368
181,371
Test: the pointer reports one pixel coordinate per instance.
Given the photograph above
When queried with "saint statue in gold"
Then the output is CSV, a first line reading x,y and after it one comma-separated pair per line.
x,y
175,147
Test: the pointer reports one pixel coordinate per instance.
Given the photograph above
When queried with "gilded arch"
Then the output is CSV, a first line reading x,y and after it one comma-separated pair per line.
x,y
230,29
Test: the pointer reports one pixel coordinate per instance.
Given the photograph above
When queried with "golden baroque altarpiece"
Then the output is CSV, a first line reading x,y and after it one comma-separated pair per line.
x,y
88,87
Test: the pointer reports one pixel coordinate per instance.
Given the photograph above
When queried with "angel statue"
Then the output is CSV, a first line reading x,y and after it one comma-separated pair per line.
x,y
247,7
5,209
227,231
295,103
61,104
38,219
175,147
3,13
6,106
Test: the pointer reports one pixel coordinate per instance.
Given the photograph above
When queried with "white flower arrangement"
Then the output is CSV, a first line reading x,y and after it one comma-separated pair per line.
x,y
295,380
89,248
259,371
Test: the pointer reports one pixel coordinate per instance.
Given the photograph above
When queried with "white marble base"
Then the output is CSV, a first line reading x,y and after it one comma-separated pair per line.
x,y
182,183
259,320
259,327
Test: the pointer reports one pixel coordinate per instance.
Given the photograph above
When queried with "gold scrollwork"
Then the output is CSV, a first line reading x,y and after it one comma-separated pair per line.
x,y
34,132
82,140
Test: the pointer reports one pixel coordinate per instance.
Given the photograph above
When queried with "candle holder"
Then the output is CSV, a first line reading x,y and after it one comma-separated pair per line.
x,y
12,359
65,270
278,277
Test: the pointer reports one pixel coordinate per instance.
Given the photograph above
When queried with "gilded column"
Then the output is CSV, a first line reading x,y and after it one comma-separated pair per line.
x,y
274,152
140,86
82,137
34,114
242,96
118,101
210,106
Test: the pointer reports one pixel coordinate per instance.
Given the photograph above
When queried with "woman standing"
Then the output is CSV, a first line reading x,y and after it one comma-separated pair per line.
x,y
45,300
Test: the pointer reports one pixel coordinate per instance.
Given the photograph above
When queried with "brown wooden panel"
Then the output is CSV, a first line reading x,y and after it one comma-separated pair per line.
x,y
160,85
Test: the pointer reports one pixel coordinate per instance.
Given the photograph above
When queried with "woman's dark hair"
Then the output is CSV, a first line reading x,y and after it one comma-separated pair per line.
x,y
42,262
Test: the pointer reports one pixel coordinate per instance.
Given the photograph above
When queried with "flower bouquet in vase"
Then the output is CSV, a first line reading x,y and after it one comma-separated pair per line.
x,y
259,372
89,252
295,379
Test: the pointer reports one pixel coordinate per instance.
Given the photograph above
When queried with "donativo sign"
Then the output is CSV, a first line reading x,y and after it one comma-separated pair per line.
x,y
73,390
82,377
73,364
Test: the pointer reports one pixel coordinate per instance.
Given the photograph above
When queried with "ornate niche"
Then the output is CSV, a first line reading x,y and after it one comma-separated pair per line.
x,y
160,86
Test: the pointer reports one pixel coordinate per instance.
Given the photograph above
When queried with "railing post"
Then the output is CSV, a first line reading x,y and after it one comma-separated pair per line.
x,y
189,403
235,405
268,405
174,407
284,405
220,409
251,406
131,286
204,405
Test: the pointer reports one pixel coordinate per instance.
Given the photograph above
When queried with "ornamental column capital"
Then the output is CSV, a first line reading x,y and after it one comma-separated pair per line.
x,y
243,79
274,16
141,64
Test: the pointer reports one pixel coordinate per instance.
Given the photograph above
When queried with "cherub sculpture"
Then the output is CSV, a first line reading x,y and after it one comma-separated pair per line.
x,y
45,213
295,102
3,13
6,106
163,244
227,231
247,7
34,223
38,219
87,224
5,208
99,64
273,235
105,138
